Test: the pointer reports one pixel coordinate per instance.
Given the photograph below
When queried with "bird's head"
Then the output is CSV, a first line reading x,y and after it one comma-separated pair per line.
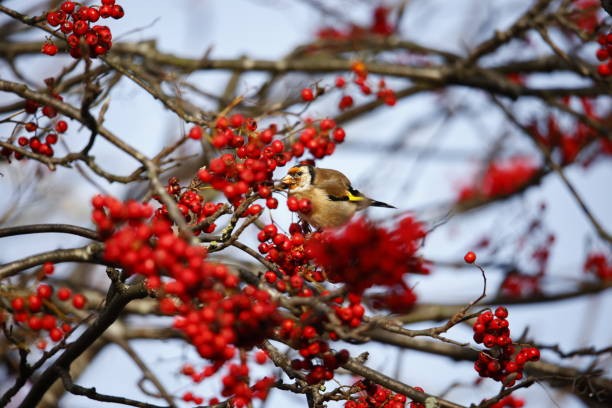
x,y
298,178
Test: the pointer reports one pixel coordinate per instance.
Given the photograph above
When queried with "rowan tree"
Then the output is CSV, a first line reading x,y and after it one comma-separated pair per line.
x,y
141,208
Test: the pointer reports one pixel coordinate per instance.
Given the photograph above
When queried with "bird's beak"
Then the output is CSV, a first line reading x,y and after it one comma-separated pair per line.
x,y
287,181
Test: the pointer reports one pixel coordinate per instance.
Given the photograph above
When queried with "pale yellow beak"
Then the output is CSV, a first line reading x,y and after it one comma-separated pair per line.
x,y
287,181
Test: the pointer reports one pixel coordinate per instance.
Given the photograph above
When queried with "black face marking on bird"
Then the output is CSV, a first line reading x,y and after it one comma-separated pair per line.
x,y
311,170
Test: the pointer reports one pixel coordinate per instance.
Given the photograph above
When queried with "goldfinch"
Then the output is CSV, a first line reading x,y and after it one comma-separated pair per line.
x,y
334,201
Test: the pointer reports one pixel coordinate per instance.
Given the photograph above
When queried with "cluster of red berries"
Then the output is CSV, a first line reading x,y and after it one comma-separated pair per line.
x,y
320,138
500,178
360,73
189,396
380,26
397,299
307,336
520,285
567,145
598,264
563,144
363,254
108,213
44,136
291,256
383,93
380,22
225,316
319,361
604,54
241,319
235,384
585,15
235,177
377,396
501,362
509,402
360,80
36,313
352,314
192,207
75,24
258,154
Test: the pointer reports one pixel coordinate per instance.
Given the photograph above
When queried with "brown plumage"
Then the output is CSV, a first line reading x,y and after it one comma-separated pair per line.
x,y
334,201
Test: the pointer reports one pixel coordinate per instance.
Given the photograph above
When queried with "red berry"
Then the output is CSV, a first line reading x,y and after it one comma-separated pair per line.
x,y
346,102
264,191
195,133
501,312
304,206
106,11
54,18
117,12
339,134
602,54
236,120
44,291
49,49
307,94
261,357
56,334
93,14
270,277
34,303
49,111
91,38
48,268
64,294
35,143
51,138
78,301
277,146
80,28
18,304
511,367
293,204
489,340
470,257
67,27
48,322
31,106
533,354
327,124
67,7
35,323
604,70
255,209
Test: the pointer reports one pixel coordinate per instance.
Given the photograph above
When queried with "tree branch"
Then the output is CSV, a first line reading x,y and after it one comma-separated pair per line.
x,y
62,364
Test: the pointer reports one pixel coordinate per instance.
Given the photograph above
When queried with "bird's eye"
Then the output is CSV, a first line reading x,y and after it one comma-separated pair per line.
x,y
299,173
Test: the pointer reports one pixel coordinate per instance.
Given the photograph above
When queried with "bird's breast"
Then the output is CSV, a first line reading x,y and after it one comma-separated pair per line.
x,y
325,212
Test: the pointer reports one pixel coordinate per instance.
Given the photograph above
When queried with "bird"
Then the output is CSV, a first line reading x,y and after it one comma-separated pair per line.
x,y
333,199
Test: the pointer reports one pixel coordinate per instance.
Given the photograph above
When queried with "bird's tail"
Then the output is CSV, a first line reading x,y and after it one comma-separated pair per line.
x,y
375,203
